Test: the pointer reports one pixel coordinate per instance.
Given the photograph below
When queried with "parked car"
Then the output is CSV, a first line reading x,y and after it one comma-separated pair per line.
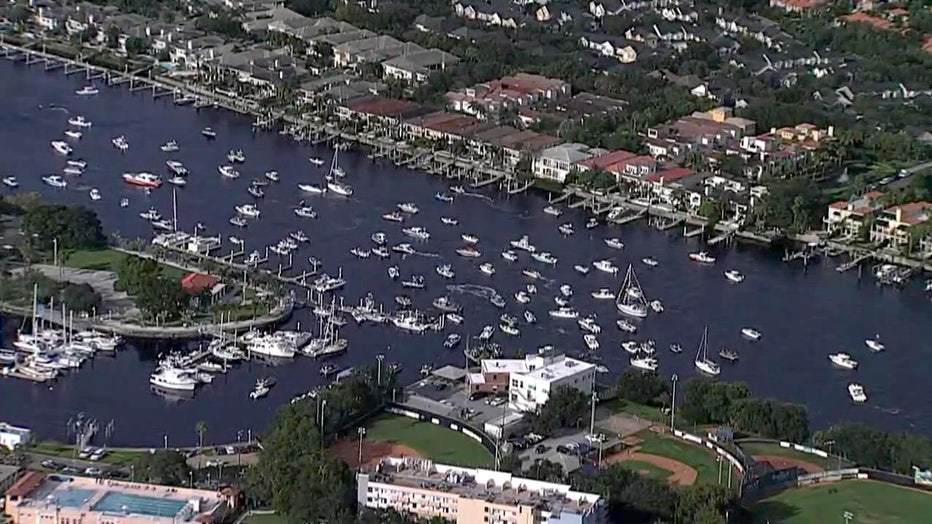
x,y
540,449
94,472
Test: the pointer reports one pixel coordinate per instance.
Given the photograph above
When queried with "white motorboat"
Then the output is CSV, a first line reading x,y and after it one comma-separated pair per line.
x,y
176,167
248,210
605,266
630,300
446,271
394,272
408,207
410,322
340,188
120,143
560,301
603,294
650,261
143,179
582,270
566,290
443,197
524,244
271,346
272,175
644,363
544,258
228,171
531,288
79,121
449,221
487,332
522,296
675,348
702,362
446,305
589,324
564,312
164,225
71,133
55,181
10,181
497,300
469,239
552,211
394,216
360,252
529,317
454,318
487,268
379,238
509,329
299,236
256,191
734,275
305,212
415,281
856,391
77,162
316,161
209,133
531,273
71,170
614,243
94,194
702,257
566,229
592,342
169,147
62,147
656,305
457,189
150,214
592,223
314,189
626,325
236,156
750,333
238,221
260,390
509,255
87,90
874,344
177,180
173,379
468,252
404,249
843,360
416,232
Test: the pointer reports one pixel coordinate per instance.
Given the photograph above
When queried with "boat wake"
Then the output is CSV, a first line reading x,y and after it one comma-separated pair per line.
x,y
888,411
53,107
476,290
477,195
426,254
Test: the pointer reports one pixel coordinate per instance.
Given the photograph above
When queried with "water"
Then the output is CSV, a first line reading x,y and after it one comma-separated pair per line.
x,y
803,315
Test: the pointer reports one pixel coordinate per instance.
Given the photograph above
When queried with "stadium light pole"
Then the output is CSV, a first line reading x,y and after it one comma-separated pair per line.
x,y
362,433
674,378
847,516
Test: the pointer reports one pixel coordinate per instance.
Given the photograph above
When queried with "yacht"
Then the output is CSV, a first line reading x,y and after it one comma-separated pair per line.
x,y
469,239
552,211
236,156
62,147
468,252
446,305
394,216
394,272
509,255
843,360
169,147
531,273
408,207
524,244
564,312
79,121
316,161
228,171
340,188
209,133
359,252
272,176
487,268
603,294
87,90
10,181
120,143
874,344
522,297
416,232
305,212
147,180
650,261
614,243
176,167
256,191
248,210
173,379
177,180
446,271
582,270
509,329
702,362
734,275
544,258
271,346
94,194
750,333
646,363
449,221
605,266
630,300
404,249
856,391
702,257
566,229
626,325
55,181
529,317
443,197
71,133
415,281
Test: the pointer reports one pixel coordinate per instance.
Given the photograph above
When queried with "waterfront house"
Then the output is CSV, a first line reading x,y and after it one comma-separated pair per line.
x,y
796,6
848,217
196,283
374,49
520,145
12,436
622,164
417,67
674,187
49,18
510,92
896,226
385,113
555,163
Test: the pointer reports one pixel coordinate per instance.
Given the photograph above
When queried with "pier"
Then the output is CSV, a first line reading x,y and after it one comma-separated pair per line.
x,y
695,232
851,264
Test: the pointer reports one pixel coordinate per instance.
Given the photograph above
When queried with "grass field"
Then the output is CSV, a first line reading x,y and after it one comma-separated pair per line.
x,y
646,469
265,518
97,259
770,448
698,458
57,449
434,442
869,503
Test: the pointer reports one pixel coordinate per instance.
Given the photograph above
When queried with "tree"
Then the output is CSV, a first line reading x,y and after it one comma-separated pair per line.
x,y
566,408
113,36
68,226
201,429
136,46
163,466
641,387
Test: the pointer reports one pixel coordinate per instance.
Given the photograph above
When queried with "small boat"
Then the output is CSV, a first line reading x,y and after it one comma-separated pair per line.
x,y
415,281
416,232
650,261
582,270
702,362
454,317
656,305
248,210
360,253
552,211
71,133
94,194
87,90
497,300
626,325
509,255
750,333
452,340
446,304
394,216
676,348
631,346
255,191
314,189
238,221
487,268
458,190
79,121
124,202
272,176
379,238
236,156
614,243
560,301
544,258
734,275
71,170
874,344
404,249
487,332
169,147
305,212
728,354
259,182
589,324
408,207
524,244
509,329
209,133
446,271
529,317
176,167
592,223
522,297
603,294
469,239
394,272
702,257
78,163
531,288
843,360
316,161
120,143
177,180
566,229
228,171
298,236
566,290
449,221
856,391
645,363
55,181
150,214
62,147
146,180
564,312
531,273
10,181
380,252
605,266
468,252
443,197
328,369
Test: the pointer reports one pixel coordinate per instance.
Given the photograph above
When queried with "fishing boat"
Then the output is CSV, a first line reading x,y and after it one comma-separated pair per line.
x,y
566,229
589,324
443,197
169,147
248,210
446,305
305,212
592,223
256,191
603,294
403,248
360,252
209,133
564,312
415,281
552,211
408,207
630,299
702,257
146,180
236,156
449,221
468,252
702,362
734,275
487,268
87,90
79,121
238,221
524,244
729,354
614,243
509,329
645,363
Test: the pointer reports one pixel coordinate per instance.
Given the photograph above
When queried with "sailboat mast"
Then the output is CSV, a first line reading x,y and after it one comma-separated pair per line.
x,y
174,210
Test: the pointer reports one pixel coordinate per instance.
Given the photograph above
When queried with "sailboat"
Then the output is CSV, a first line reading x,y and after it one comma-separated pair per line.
x,y
703,363
335,185
630,299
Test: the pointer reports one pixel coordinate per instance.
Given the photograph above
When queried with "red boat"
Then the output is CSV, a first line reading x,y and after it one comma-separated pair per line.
x,y
142,179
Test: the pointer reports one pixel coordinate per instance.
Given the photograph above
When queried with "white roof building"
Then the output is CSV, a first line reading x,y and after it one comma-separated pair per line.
x,y
531,379
12,436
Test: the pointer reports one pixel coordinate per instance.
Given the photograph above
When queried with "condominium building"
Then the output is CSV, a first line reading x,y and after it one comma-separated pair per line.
x,y
473,496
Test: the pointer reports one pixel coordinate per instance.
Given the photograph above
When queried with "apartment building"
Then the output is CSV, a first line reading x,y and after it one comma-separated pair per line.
x,y
847,217
473,496
531,379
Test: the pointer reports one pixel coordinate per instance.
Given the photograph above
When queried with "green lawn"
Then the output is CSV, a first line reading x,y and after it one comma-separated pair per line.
x,y
57,449
97,259
771,448
869,502
435,442
265,518
697,457
647,469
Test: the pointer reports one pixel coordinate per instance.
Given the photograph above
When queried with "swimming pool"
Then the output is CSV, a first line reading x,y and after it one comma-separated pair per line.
x,y
71,498
116,502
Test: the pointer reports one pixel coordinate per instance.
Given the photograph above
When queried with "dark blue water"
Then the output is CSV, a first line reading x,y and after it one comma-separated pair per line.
x,y
804,315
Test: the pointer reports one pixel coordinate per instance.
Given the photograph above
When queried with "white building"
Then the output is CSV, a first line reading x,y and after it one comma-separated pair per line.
x,y
12,436
531,390
557,162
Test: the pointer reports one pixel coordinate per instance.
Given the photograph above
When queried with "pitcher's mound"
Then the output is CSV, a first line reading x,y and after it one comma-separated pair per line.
x,y
372,451
679,473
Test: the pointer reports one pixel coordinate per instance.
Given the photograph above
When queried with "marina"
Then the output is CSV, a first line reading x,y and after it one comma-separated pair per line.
x,y
837,313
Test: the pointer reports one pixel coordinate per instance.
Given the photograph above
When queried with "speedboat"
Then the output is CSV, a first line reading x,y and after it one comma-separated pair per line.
x,y
564,312
120,143
644,363
603,294
552,211
169,147
404,249
529,317
62,147
177,180
409,208
626,325
314,189
379,238
734,276
72,170
79,121
728,354
614,243
394,272
544,258
55,181
71,133
449,221
238,221
340,188
469,239
272,175
10,181
509,255
305,212
650,261
468,252
522,297
582,270
248,210
843,360
78,163
147,180
589,324
509,329
605,266
228,171
394,216
209,133
856,391
750,333
487,268
702,257
416,232
874,344
87,90
566,229
531,273
524,244
256,191
176,167
236,156
94,194
443,197
446,271
316,161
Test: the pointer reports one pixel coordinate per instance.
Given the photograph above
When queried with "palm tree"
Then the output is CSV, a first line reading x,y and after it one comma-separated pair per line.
x,y
201,429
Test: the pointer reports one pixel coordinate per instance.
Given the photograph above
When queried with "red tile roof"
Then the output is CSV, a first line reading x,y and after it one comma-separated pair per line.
x,y
26,484
669,175
878,23
383,106
198,282
608,159
912,213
